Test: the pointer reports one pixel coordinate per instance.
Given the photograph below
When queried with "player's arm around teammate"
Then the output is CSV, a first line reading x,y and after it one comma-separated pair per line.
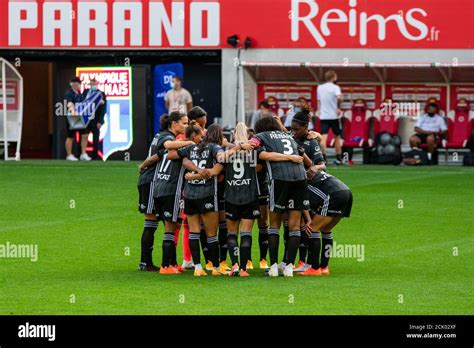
x,y
200,198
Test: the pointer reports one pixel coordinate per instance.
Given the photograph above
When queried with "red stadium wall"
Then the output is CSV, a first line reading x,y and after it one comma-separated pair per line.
x,y
207,24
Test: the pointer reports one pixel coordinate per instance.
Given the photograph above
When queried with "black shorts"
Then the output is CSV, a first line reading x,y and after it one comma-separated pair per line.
x,y
221,202
71,133
250,211
145,199
335,204
201,205
423,137
168,208
335,125
288,195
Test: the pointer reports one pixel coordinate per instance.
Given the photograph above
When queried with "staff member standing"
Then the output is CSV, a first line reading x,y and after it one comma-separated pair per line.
x,y
98,120
178,99
72,96
329,102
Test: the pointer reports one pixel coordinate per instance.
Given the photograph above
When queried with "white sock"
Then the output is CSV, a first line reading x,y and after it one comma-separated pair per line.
x,y
429,155
198,267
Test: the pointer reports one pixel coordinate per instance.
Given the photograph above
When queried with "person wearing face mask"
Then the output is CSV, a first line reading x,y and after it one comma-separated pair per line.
x,y
298,106
178,99
98,120
429,128
72,97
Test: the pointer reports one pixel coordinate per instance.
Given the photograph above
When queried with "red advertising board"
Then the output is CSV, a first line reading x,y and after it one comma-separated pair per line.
x,y
411,99
462,91
50,24
12,94
286,93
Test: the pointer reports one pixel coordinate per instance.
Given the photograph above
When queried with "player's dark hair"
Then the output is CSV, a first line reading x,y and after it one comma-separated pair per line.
x,y
213,135
196,112
166,120
266,124
301,117
178,78
193,128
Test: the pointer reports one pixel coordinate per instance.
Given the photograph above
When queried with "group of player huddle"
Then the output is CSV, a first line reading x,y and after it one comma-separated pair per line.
x,y
195,178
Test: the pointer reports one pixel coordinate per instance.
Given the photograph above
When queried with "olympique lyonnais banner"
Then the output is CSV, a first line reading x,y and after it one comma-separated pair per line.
x,y
116,133
112,24
162,83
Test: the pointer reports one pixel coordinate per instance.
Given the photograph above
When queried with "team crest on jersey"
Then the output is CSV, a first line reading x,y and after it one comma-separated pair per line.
x,y
209,205
256,213
167,214
306,202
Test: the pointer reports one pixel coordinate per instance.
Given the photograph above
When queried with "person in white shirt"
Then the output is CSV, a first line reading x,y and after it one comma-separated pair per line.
x,y
329,102
429,128
177,98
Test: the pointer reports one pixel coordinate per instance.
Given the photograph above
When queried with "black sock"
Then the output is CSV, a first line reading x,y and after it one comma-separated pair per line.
x,y
205,249
168,247
339,157
314,249
245,248
293,243
233,246
324,156
213,250
194,238
285,241
222,241
303,247
174,257
263,242
148,238
273,242
326,249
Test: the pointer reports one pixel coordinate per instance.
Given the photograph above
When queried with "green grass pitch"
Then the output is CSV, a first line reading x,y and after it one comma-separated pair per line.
x,y
416,226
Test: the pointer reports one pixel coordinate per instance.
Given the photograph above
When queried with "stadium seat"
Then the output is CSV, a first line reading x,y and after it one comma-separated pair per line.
x,y
356,126
460,123
385,123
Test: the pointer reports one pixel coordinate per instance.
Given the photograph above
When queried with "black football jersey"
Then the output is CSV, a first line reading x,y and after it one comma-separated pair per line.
x,y
197,189
148,174
312,149
241,185
276,141
168,174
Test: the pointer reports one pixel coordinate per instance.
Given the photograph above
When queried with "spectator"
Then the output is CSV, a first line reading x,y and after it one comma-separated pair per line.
x,y
177,98
263,111
275,107
297,106
98,120
329,102
72,96
429,128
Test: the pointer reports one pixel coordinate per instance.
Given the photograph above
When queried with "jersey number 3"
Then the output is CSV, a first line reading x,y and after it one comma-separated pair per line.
x,y
288,149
